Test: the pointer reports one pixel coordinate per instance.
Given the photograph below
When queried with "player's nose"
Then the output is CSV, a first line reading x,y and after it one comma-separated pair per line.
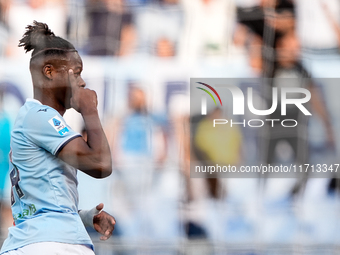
x,y
82,83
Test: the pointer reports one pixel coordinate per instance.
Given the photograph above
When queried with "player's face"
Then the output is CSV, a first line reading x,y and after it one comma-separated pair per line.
x,y
75,63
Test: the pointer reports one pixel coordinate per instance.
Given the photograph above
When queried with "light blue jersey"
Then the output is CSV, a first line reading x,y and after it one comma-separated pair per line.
x,y
44,188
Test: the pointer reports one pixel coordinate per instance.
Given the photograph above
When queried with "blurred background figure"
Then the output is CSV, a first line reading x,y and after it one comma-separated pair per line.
x,y
282,145
208,28
52,11
165,48
211,146
4,6
139,150
218,145
111,29
133,131
276,27
150,22
288,65
316,24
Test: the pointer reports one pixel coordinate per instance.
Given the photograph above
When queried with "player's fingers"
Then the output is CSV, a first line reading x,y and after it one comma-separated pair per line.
x,y
107,233
72,79
103,238
100,206
98,229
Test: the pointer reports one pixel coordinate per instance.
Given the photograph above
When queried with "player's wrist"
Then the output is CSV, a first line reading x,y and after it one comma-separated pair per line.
x,y
91,120
87,216
88,111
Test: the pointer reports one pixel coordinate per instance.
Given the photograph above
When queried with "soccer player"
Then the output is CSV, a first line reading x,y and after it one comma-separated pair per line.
x,y
46,153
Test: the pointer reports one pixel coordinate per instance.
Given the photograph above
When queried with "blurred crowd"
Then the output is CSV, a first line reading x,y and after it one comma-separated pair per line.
x,y
139,55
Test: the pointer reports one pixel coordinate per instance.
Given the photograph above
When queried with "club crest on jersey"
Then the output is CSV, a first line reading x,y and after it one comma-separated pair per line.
x,y
58,125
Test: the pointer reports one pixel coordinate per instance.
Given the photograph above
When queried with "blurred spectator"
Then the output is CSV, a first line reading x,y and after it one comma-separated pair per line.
x,y
212,145
287,66
333,22
22,13
313,27
179,115
283,19
278,14
138,145
217,145
136,2
141,140
208,28
165,48
4,6
273,25
111,28
159,22
77,23
283,145
133,130
255,55
220,144
195,189
266,20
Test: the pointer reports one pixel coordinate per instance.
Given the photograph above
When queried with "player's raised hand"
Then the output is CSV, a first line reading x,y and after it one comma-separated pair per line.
x,y
82,100
103,223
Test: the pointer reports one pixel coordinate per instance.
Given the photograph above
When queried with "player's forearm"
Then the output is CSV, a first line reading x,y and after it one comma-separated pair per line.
x,y
98,144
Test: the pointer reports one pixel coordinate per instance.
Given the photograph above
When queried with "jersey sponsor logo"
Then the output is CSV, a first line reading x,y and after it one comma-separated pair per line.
x,y
59,125
42,110
29,210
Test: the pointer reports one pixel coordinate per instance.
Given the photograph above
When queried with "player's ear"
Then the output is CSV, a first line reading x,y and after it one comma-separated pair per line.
x,y
47,71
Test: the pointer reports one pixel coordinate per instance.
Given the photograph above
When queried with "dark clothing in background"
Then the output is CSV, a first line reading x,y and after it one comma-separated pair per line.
x,y
295,136
105,29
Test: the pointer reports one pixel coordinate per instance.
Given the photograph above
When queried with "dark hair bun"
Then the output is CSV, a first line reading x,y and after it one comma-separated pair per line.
x,y
36,37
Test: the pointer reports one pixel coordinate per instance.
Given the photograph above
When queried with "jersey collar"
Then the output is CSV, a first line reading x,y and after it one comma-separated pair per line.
x,y
33,100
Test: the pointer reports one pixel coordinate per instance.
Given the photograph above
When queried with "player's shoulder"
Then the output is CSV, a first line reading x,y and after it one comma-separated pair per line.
x,y
38,114
35,107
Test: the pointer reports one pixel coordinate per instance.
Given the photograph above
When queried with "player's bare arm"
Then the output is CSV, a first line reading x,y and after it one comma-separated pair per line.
x,y
92,157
